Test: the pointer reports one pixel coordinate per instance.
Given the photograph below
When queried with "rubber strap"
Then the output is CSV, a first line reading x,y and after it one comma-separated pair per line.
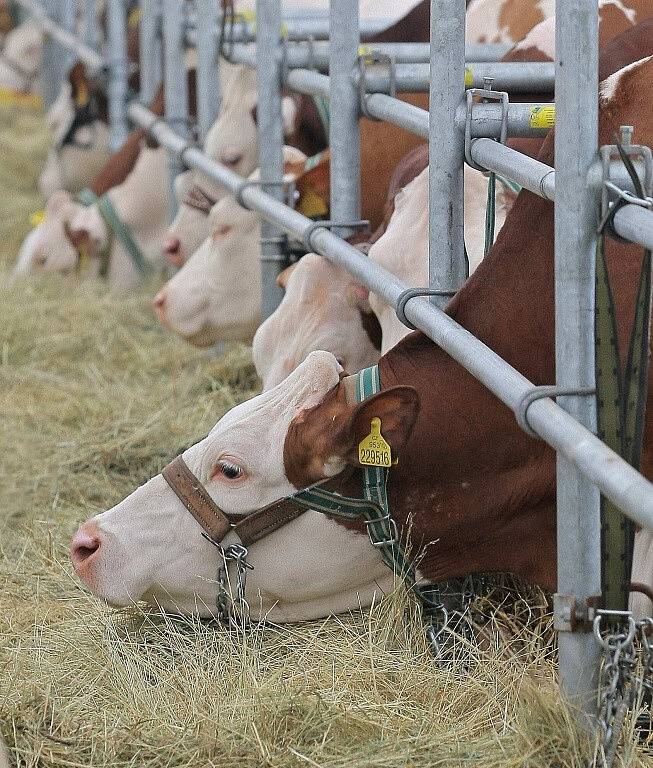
x,y
121,231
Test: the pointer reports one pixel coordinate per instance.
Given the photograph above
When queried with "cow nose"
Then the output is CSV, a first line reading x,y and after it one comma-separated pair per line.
x,y
84,545
172,250
159,305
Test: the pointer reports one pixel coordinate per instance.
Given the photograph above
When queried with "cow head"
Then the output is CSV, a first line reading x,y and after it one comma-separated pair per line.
x,y
216,296
323,308
191,225
150,548
68,231
233,138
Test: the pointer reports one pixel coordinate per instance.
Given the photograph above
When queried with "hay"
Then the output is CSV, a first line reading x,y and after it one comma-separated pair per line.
x,y
95,399
24,145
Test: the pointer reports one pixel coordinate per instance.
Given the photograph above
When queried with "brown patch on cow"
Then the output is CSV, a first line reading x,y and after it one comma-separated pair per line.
x,y
631,45
372,328
283,277
518,17
612,21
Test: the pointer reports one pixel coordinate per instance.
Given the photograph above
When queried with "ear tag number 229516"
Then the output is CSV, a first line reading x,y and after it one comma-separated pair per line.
x,y
373,450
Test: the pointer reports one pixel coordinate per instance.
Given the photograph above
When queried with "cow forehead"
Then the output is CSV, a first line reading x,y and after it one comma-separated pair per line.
x,y
273,410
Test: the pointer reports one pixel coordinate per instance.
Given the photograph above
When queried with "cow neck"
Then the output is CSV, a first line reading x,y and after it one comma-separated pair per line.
x,y
471,479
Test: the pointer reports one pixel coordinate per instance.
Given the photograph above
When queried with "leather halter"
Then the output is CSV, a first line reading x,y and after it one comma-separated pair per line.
x,y
198,199
216,523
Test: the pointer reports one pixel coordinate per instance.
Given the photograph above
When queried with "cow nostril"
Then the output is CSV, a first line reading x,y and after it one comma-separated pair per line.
x,y
172,246
83,547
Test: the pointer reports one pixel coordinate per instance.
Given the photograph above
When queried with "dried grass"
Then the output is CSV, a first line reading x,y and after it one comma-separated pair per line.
x,y
95,398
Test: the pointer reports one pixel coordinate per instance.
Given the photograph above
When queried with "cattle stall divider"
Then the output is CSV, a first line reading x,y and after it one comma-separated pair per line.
x,y
457,130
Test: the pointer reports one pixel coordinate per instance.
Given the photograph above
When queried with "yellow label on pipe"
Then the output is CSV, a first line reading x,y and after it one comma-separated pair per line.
x,y
469,78
543,117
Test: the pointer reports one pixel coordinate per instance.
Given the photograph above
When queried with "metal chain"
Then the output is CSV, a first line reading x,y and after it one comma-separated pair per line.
x,y
619,683
232,609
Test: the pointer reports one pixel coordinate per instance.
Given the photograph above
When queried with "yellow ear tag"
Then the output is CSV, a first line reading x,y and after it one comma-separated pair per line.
x,y
311,204
82,98
84,257
373,449
38,217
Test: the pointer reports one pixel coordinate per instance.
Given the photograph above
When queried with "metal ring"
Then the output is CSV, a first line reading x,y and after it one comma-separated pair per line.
x,y
412,293
308,233
539,393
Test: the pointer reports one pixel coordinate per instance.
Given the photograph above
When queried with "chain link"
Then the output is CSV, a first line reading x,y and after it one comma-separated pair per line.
x,y
231,606
619,683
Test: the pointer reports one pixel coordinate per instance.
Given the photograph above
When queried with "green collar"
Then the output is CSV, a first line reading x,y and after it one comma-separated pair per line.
x,y
117,228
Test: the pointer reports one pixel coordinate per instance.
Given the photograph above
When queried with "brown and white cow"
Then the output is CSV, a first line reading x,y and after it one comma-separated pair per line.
x,y
69,229
479,493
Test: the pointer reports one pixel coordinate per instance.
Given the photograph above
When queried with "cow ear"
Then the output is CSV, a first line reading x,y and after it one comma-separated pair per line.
x,y
283,277
80,84
397,408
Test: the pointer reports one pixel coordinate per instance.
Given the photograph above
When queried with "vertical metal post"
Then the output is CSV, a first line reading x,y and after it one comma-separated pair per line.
x,y
208,76
344,135
150,49
118,72
175,84
270,133
576,215
447,267
56,58
91,37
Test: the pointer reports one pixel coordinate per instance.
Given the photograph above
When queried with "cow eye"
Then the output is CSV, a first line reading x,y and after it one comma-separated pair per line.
x,y
228,470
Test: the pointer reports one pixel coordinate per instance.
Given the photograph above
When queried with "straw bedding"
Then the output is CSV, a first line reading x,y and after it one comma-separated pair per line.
x,y
95,398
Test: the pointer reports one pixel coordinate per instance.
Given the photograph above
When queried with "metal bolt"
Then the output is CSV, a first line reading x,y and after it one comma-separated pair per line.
x,y
626,132
487,82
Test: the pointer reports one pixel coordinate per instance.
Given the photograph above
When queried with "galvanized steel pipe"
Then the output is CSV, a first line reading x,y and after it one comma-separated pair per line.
x,y
344,138
576,211
448,267
151,56
176,86
208,68
118,70
270,145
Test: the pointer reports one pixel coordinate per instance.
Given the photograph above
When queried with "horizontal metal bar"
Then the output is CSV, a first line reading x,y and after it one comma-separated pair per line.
x,y
526,171
616,479
520,77
294,28
633,222
486,118
94,61
316,54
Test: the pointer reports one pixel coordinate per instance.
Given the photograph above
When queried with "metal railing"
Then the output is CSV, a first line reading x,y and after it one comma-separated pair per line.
x,y
586,466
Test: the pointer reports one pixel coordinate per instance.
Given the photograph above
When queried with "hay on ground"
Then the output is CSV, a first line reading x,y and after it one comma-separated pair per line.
x,y
95,398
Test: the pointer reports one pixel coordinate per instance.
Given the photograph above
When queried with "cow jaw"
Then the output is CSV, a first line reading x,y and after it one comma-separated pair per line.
x,y
151,548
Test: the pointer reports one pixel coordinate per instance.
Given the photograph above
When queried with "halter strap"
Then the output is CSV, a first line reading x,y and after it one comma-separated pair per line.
x,y
117,228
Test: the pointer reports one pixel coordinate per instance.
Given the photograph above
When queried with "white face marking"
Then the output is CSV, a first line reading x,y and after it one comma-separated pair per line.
x,y
152,548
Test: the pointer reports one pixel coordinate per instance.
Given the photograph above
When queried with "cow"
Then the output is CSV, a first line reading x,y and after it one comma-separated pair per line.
x,y
21,58
476,492
70,231
216,296
80,135
311,315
